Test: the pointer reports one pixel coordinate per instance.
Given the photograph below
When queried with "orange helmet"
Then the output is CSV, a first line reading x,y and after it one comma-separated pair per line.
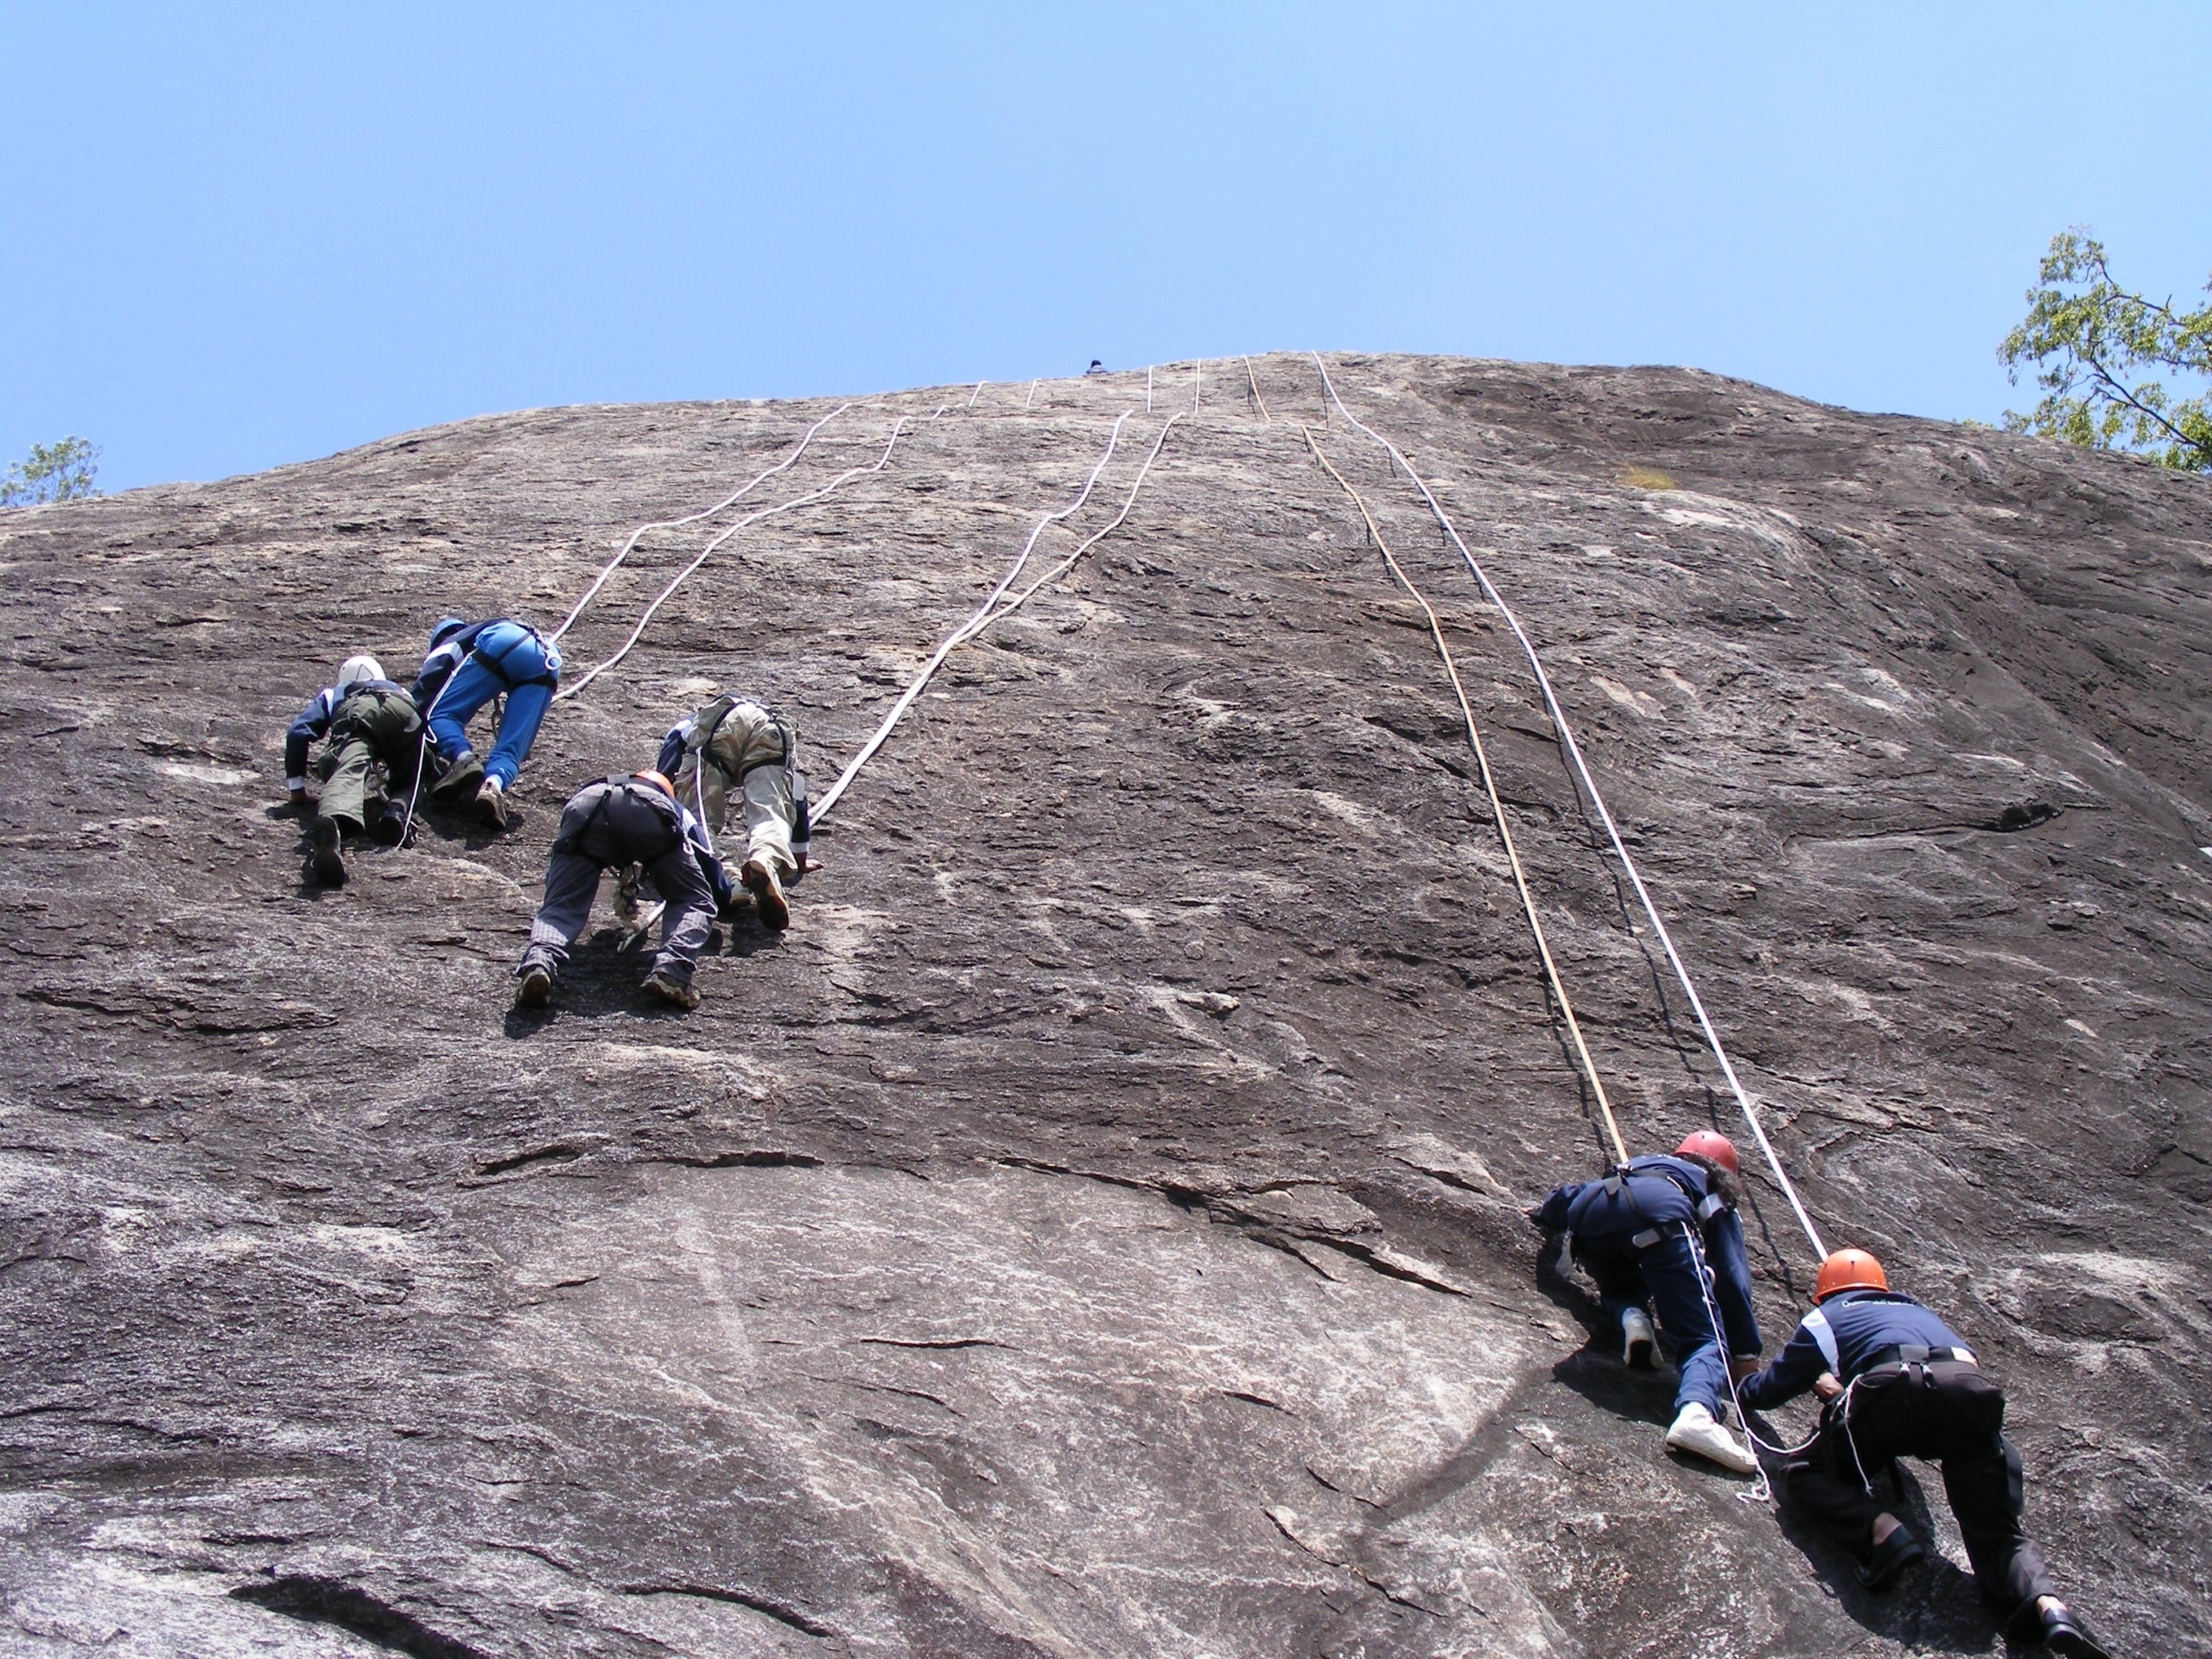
x,y
1710,1143
658,780
1849,1270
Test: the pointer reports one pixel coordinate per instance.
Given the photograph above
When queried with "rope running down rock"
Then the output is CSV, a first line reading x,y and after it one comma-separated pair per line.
x,y
810,496
1590,784
734,496
1496,804
991,610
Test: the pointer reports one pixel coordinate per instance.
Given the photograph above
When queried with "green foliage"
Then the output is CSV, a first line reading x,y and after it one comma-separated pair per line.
x,y
55,472
2091,340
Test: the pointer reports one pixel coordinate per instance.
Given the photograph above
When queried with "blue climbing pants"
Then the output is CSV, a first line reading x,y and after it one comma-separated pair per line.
x,y
508,660
1664,1278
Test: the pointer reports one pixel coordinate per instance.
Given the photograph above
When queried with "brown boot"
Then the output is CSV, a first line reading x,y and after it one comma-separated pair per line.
x,y
766,888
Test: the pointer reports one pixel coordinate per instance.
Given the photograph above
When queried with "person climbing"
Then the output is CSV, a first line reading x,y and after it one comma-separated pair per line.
x,y
366,724
609,824
1664,1230
736,744
1898,1381
1096,367
468,664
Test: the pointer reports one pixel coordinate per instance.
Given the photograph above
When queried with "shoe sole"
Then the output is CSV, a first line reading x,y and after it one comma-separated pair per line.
x,y
775,910
2076,1645
454,784
671,997
329,861
533,992
1895,1568
494,812
1713,1455
1639,1355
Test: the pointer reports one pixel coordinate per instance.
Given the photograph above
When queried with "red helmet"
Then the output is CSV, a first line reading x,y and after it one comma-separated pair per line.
x,y
1710,1143
1849,1270
656,779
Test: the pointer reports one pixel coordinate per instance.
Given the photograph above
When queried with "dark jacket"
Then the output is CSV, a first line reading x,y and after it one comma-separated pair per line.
x,y
1846,1336
1660,1196
314,723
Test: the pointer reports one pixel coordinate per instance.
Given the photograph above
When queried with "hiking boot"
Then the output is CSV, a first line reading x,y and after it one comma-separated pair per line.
x,y
1638,1345
1879,1566
389,827
535,988
329,861
491,804
1695,1432
664,987
2066,1631
463,776
761,880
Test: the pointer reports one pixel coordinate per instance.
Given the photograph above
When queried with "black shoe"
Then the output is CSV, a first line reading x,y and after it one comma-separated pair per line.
x,y
534,989
1883,1563
390,825
464,777
664,987
2066,1631
329,862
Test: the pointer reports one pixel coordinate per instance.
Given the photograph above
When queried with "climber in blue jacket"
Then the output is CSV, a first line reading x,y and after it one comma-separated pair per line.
x,y
470,663
1664,1231
1899,1383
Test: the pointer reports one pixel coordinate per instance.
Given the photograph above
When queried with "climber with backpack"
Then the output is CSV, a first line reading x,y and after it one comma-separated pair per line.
x,y
736,746
368,724
1663,1231
609,824
468,664
1896,1381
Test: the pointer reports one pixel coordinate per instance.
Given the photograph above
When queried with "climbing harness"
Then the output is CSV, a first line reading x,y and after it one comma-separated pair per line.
x,y
1498,807
731,499
1597,799
705,552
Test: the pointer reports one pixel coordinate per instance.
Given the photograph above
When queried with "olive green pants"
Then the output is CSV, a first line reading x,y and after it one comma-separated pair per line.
x,y
373,731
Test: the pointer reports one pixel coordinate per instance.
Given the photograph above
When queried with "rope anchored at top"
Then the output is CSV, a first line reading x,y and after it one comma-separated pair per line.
x,y
1597,800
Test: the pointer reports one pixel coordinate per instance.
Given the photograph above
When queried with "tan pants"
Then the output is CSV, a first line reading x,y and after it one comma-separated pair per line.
x,y
749,738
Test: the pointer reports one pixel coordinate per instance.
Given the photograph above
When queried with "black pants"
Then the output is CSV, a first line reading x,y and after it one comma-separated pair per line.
x,y
1948,1414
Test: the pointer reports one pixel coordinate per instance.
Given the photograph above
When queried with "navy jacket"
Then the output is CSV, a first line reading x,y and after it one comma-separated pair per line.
x,y
314,722
1842,1336
1660,1194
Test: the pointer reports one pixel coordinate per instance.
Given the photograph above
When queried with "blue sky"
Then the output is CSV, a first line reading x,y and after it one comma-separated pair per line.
x,y
235,236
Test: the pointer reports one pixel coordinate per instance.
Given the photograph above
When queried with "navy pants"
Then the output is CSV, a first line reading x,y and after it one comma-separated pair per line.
x,y
1663,1278
606,826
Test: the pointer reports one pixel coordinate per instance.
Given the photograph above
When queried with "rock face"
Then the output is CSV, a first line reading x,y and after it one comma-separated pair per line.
x,y
1094,1229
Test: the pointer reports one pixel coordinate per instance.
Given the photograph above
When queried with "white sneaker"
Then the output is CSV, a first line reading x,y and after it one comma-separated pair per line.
x,y
1696,1432
1638,1342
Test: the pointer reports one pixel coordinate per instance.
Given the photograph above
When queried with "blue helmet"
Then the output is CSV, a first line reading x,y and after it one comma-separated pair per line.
x,y
447,627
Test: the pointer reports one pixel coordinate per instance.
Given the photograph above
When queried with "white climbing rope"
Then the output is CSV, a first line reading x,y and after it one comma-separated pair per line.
x,y
811,496
1252,380
731,499
1597,799
1496,803
991,610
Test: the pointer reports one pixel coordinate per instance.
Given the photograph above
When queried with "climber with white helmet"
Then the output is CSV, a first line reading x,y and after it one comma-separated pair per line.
x,y
1663,1231
609,824
1898,1381
367,723
468,664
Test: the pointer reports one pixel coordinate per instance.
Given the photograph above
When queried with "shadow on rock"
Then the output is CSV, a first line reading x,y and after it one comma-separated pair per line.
x,y
1933,1607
